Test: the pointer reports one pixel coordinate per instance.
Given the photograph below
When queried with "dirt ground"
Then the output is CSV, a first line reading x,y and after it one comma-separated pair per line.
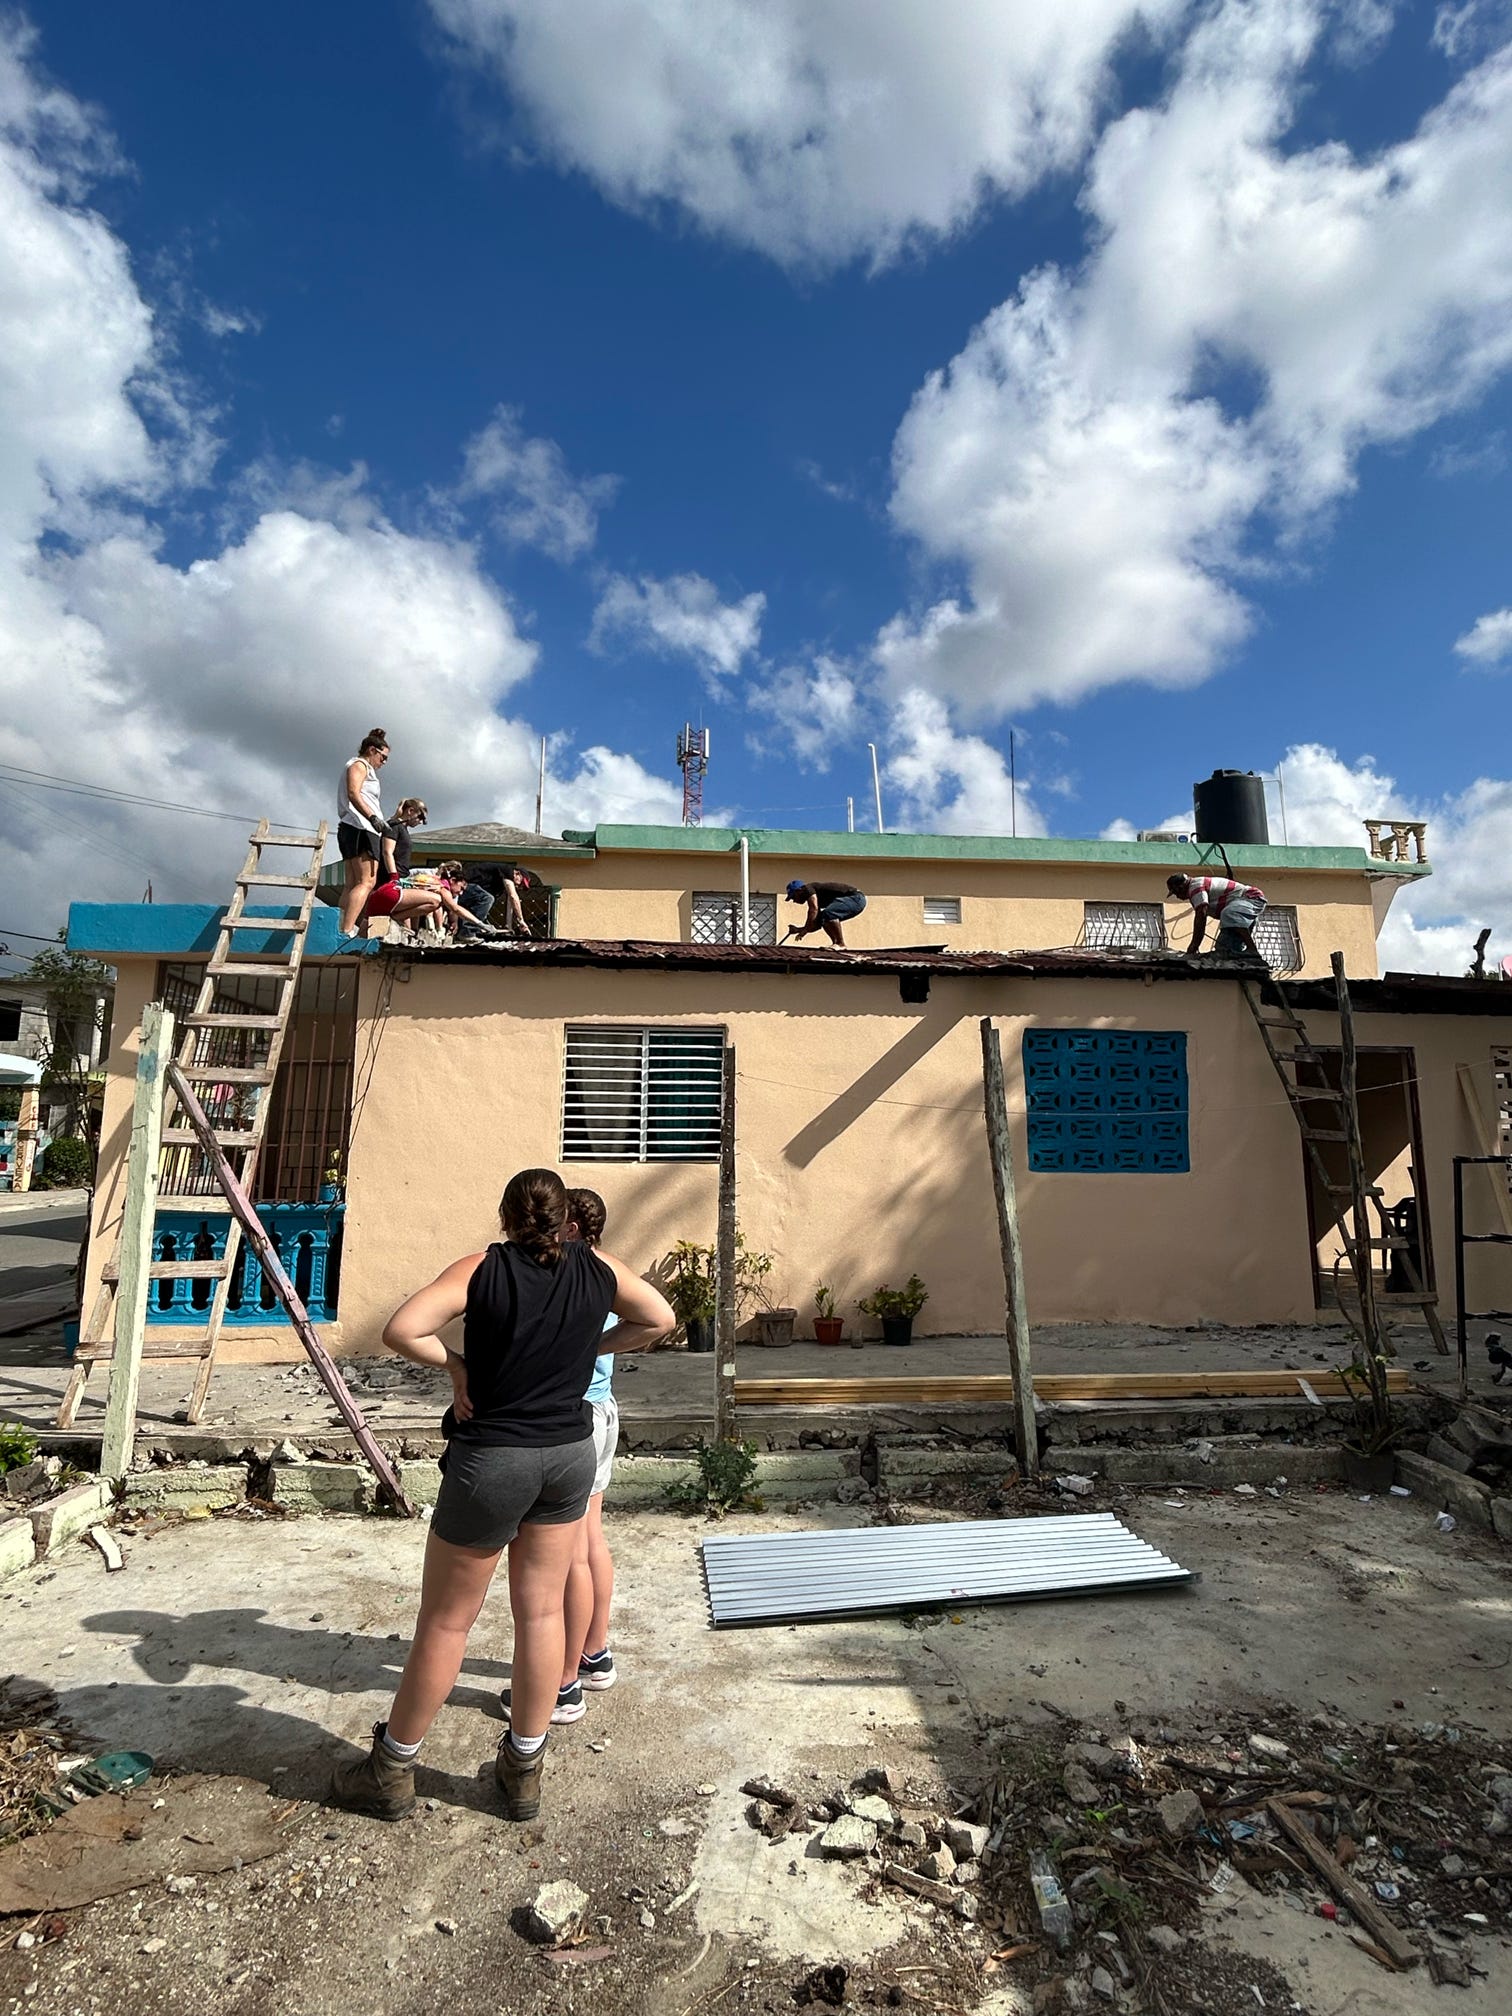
x,y
260,1647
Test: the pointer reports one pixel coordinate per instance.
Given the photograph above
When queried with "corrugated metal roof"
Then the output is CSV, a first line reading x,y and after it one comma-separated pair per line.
x,y
767,1578
669,956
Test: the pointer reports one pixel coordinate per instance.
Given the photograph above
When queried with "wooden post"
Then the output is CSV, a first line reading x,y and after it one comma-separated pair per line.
x,y
135,1261
1372,1344
257,1238
1015,1298
28,1126
724,1273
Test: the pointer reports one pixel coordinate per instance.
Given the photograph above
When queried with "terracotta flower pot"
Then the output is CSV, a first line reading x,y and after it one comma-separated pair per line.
x,y
829,1329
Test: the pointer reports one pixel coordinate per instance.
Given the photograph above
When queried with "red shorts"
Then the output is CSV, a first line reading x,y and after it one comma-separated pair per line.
x,y
383,899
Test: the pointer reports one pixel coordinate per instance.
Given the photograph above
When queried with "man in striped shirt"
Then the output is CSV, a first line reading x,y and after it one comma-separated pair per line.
x,y
1236,905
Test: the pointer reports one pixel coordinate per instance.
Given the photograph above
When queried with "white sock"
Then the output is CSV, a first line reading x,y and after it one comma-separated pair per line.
x,y
407,1752
526,1746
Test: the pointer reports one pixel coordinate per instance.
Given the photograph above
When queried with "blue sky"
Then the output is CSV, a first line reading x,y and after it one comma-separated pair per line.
x,y
1134,376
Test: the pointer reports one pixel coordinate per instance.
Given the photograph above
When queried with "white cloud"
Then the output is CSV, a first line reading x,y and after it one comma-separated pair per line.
x,y
535,499
1102,461
949,782
814,130
239,680
1489,638
804,714
680,616
1466,29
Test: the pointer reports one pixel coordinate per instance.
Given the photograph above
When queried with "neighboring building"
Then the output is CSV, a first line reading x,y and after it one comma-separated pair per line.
x,y
1161,1177
682,884
31,1027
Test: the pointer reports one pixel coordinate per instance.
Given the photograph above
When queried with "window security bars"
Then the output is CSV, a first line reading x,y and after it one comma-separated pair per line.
x,y
1114,1101
1137,926
1277,939
642,1094
716,919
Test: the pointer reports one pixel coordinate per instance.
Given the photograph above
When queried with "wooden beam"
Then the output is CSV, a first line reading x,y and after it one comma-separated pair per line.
x,y
725,1312
143,1173
995,1389
267,1254
1015,1296
1374,1348
1389,1937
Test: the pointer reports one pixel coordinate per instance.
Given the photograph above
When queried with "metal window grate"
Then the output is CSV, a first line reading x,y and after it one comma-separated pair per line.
x,y
716,919
1277,939
1140,925
642,1094
942,909
761,1578
1109,1100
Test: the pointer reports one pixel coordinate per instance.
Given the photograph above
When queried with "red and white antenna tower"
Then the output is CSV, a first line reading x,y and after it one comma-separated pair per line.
x,y
693,761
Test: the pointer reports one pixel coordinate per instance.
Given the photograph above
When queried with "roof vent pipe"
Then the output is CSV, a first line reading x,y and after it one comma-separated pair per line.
x,y
745,890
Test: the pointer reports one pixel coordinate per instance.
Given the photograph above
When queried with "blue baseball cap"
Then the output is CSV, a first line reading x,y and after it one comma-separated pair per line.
x,y
796,888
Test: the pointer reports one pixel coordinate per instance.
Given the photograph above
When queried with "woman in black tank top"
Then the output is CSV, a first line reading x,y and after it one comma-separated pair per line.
x,y
518,1474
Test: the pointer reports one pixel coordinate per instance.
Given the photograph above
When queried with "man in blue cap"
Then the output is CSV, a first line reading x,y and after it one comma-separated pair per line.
x,y
828,904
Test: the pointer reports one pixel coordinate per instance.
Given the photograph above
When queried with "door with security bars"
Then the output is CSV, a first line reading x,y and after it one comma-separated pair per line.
x,y
641,1094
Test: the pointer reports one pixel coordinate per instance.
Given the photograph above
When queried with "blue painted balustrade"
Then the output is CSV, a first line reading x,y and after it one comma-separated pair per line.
x,y
306,1238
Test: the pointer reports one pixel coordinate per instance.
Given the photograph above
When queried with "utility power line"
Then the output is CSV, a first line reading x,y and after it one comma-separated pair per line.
x,y
44,780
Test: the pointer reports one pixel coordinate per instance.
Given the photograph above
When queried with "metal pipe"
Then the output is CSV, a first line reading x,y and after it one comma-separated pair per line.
x,y
745,890
541,788
876,784
1012,784
850,815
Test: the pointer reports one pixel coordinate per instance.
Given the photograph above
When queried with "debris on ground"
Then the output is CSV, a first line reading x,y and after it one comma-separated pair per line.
x,y
164,1833
555,1913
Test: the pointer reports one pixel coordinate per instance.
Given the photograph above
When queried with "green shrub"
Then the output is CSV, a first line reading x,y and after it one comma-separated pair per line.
x,y
726,1471
17,1446
66,1164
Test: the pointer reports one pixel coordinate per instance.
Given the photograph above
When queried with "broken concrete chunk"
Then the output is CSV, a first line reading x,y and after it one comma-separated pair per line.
x,y
876,1779
911,1834
968,1872
555,1913
966,1907
1181,1813
1103,1984
109,1547
1164,1938
1079,1787
938,1867
870,1807
1095,1757
1076,1486
847,1838
966,1842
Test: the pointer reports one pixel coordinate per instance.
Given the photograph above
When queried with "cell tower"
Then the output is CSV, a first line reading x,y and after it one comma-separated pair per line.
x,y
693,761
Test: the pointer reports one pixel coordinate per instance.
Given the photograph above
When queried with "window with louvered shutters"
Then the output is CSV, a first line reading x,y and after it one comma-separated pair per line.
x,y
1109,1100
642,1094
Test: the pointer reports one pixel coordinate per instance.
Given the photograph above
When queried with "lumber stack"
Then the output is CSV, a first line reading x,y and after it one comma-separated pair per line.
x,y
995,1389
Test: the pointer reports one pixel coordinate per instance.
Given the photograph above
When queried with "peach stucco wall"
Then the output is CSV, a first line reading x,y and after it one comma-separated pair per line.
x,y
1005,906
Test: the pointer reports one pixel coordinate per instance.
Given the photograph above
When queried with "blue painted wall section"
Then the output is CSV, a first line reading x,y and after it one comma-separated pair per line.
x,y
306,1237
1108,1100
179,930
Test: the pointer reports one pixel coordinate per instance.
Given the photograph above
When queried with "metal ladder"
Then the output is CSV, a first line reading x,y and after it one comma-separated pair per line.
x,y
1296,1048
243,1094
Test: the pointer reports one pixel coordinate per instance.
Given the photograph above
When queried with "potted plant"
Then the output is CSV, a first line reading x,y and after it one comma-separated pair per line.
x,y
330,1179
1370,1453
896,1308
690,1290
828,1327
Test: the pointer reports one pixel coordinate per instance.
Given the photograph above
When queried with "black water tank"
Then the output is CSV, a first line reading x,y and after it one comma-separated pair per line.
x,y
1230,806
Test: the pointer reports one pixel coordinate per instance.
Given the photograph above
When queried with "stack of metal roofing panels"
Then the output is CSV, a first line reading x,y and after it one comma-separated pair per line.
x,y
767,1578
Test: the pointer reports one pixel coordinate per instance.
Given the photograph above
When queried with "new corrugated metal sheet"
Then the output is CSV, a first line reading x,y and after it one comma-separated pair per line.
x,y
765,1578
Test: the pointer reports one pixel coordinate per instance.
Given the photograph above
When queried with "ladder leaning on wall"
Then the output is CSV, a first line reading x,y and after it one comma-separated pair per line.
x,y
242,1096
1290,1049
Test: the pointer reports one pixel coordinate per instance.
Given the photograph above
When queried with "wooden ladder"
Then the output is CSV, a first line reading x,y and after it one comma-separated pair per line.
x,y
236,1052
1323,1118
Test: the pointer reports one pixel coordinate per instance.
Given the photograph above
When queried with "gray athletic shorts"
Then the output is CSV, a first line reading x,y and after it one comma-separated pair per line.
x,y
489,1493
605,1441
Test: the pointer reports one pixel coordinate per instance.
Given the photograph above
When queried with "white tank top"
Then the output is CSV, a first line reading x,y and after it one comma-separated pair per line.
x,y
368,794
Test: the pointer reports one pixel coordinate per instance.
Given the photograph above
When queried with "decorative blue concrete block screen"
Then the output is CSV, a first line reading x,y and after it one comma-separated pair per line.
x,y
1107,1099
306,1238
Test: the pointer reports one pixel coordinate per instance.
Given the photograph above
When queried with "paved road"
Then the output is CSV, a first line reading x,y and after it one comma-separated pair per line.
x,y
38,1245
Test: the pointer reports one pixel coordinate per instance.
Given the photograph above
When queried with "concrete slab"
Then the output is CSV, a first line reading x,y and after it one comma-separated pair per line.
x,y
321,1487
1466,1497
18,1545
189,1487
69,1514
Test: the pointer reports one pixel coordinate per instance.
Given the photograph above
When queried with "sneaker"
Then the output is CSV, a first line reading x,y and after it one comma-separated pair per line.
x,y
597,1674
380,1783
519,1779
570,1705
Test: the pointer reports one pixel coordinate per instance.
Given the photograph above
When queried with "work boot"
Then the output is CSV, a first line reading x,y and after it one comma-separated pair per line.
x,y
380,1783
519,1779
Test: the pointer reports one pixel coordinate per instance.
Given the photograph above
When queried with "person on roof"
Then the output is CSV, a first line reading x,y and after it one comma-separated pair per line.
x,y
828,904
1238,907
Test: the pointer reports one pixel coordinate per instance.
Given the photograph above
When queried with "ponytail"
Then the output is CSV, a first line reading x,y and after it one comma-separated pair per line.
x,y
533,1214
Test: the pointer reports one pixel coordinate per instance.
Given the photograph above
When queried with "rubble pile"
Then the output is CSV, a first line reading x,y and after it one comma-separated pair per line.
x,y
1477,1443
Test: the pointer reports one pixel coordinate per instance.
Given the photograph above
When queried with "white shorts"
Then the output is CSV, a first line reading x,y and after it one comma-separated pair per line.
x,y
605,1441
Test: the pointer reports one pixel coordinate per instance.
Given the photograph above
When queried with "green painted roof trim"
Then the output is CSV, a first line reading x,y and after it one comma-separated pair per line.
x,y
991,847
